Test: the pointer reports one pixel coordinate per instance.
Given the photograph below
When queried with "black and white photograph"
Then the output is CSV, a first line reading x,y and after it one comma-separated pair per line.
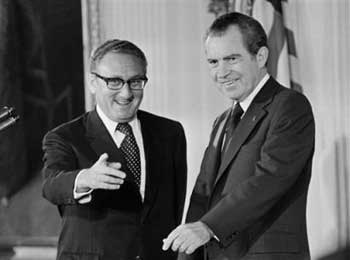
x,y
174,129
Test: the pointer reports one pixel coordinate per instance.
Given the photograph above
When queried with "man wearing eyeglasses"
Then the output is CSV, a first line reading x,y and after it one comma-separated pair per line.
x,y
117,174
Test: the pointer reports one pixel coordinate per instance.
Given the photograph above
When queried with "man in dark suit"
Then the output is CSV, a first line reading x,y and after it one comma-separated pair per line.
x,y
117,174
249,200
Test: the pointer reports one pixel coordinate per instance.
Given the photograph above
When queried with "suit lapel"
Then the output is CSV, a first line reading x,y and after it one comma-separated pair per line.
x,y
100,140
212,157
126,198
255,113
153,149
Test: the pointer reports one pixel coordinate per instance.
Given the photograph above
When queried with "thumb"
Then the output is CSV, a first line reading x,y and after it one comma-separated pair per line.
x,y
103,159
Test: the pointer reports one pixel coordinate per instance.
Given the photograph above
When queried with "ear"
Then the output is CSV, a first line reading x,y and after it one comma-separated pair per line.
x,y
92,83
262,55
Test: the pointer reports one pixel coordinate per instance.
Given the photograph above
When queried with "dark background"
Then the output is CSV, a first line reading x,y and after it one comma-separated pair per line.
x,y
41,75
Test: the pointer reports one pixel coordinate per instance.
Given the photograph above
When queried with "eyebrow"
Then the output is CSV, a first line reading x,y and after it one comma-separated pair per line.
x,y
232,56
132,78
120,78
226,57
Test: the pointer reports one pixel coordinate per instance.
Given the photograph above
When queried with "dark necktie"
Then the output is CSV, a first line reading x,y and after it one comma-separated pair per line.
x,y
231,125
131,151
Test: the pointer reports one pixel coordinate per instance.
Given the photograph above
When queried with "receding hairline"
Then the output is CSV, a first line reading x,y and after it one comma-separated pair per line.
x,y
253,34
116,46
220,33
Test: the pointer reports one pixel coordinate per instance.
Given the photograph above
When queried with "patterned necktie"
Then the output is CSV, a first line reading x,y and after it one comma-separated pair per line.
x,y
131,151
231,125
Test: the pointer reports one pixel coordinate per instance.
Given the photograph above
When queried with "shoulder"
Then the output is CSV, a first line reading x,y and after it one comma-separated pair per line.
x,y
158,123
289,108
277,98
286,99
70,129
281,93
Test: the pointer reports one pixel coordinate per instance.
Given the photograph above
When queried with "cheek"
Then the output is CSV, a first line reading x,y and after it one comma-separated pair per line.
x,y
138,96
107,99
213,74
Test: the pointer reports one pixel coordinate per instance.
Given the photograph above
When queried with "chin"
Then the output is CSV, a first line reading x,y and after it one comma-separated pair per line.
x,y
126,117
230,94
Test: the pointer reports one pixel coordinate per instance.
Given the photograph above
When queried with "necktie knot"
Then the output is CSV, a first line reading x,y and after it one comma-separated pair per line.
x,y
237,113
125,128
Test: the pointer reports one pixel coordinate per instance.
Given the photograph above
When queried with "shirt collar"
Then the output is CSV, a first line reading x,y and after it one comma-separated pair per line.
x,y
112,125
248,100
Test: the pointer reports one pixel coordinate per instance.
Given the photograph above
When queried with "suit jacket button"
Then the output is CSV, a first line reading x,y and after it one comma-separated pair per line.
x,y
138,257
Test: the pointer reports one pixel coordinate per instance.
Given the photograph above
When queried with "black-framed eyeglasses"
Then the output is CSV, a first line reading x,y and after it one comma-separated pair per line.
x,y
117,83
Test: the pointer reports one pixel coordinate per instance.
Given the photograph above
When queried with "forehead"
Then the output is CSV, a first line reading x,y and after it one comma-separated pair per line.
x,y
120,64
231,42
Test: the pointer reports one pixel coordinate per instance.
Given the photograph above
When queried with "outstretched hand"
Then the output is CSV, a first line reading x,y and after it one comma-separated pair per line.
x,y
102,175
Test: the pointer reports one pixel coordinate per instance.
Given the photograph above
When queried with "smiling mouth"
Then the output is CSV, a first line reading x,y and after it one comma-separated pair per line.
x,y
229,83
123,102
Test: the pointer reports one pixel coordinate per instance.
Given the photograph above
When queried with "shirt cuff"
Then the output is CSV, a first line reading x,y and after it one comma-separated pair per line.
x,y
81,197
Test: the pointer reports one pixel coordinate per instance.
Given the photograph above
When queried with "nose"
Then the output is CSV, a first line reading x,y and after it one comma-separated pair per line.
x,y
223,70
125,91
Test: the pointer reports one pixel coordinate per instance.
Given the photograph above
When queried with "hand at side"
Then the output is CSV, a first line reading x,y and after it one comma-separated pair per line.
x,y
188,237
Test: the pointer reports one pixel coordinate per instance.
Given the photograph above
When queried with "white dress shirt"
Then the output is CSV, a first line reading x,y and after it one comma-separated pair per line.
x,y
248,100
118,138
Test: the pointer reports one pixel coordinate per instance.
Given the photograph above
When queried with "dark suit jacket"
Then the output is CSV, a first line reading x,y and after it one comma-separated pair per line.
x,y
116,224
254,196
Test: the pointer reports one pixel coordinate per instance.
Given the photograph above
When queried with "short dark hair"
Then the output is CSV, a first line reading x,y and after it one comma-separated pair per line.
x,y
254,36
115,46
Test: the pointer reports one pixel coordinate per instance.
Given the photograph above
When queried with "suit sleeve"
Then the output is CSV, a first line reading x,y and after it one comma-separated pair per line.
x,y
180,172
59,171
285,153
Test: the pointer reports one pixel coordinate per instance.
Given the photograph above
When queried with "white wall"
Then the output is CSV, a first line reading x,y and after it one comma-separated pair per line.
x,y
170,32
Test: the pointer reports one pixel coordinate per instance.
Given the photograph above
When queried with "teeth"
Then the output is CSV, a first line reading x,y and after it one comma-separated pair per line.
x,y
228,82
123,102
